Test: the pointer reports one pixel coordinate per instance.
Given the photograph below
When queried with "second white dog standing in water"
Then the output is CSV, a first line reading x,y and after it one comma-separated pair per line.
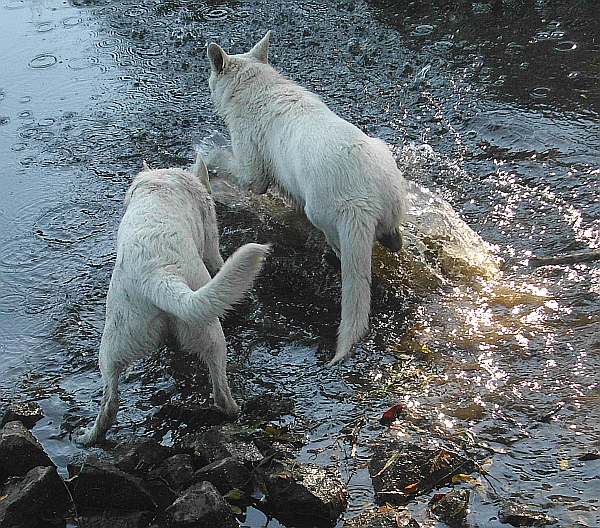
x,y
347,182
167,243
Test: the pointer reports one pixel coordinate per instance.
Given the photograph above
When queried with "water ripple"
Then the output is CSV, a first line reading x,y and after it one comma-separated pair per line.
x,y
44,60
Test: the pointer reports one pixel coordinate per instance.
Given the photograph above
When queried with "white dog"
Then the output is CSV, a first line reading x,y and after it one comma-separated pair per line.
x,y
166,245
347,183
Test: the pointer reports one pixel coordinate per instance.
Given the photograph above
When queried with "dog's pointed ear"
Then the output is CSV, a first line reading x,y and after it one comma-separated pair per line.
x,y
200,171
260,50
217,56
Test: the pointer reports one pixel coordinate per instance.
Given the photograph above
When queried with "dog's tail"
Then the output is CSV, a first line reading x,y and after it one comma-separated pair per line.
x,y
171,294
356,247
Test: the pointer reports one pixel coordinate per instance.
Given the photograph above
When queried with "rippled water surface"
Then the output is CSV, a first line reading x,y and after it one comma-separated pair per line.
x,y
495,111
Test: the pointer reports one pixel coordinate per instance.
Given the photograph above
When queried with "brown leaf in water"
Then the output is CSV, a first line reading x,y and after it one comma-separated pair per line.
x,y
391,414
411,488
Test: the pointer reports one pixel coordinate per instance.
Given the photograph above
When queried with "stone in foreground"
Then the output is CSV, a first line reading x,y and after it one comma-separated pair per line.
x,y
200,506
41,496
19,451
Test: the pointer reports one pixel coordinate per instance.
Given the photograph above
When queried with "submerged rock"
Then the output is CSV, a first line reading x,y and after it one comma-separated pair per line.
x,y
193,415
41,496
98,484
214,445
19,451
389,518
304,492
519,515
399,470
265,408
452,507
200,505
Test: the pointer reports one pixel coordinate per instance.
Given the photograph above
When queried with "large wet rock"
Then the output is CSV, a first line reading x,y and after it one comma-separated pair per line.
x,y
19,451
215,444
399,470
226,474
304,493
300,261
40,497
388,518
519,515
142,456
176,471
200,506
98,484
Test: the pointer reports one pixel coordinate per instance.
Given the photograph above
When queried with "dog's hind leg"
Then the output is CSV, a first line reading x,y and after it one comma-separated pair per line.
x,y
212,256
329,229
109,405
209,344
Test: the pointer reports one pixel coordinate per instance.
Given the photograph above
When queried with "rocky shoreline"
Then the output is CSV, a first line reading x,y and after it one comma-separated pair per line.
x,y
210,477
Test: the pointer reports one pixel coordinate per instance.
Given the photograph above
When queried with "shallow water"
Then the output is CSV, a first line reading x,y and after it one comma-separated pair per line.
x,y
495,112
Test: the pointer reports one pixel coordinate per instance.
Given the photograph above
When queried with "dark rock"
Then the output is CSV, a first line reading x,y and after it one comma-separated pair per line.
x,y
399,470
28,413
115,519
519,515
98,484
177,471
266,408
226,474
400,518
143,456
19,451
39,497
213,445
586,457
452,507
162,494
193,415
200,505
304,493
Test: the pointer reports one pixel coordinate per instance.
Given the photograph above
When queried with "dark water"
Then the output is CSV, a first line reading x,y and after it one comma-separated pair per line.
x,y
496,111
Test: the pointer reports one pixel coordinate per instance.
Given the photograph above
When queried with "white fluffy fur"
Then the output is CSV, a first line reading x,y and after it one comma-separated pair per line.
x,y
347,183
166,245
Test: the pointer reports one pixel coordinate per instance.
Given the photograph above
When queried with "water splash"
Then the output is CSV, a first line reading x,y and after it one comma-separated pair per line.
x,y
434,233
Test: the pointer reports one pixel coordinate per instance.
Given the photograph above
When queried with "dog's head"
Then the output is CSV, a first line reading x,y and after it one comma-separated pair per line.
x,y
226,70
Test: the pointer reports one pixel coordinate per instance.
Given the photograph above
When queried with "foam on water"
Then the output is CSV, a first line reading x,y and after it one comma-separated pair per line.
x,y
433,231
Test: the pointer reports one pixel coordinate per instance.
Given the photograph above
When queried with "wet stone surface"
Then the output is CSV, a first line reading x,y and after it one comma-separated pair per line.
x,y
519,515
400,470
304,493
